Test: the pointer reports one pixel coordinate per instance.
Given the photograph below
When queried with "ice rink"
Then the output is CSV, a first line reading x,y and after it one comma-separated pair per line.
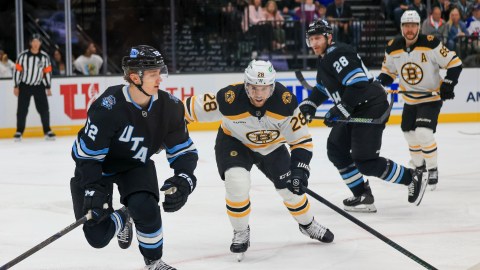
x,y
444,230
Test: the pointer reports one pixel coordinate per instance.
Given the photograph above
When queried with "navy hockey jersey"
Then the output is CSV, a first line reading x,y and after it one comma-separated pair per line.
x,y
120,135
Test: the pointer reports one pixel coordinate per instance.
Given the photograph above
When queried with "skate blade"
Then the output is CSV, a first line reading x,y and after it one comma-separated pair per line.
x,y
433,187
17,140
362,209
422,191
240,256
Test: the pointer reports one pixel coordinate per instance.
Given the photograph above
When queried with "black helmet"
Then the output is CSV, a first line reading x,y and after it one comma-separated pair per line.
x,y
143,57
319,27
35,36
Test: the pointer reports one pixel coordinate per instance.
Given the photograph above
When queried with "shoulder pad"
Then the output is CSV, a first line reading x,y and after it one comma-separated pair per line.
x,y
395,44
428,41
282,101
232,100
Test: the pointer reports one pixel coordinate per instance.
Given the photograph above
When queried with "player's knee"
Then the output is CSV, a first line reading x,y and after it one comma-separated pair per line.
x,y
372,167
237,182
411,137
424,135
333,154
99,235
143,207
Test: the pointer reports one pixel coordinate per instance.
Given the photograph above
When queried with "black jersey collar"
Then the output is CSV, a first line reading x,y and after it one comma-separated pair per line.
x,y
128,98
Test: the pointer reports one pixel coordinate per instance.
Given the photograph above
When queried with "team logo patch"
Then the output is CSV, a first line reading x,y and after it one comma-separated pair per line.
x,y
429,37
263,136
108,102
174,98
134,53
261,75
412,73
287,97
229,96
233,153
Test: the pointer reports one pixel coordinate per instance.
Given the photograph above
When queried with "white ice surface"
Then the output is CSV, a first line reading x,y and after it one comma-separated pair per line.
x,y
444,230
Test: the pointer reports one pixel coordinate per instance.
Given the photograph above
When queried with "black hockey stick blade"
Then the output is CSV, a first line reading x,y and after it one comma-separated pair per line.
x,y
359,120
369,229
48,241
302,80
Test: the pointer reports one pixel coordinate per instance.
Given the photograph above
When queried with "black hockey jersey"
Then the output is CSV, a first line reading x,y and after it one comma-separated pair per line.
x,y
120,135
343,76
262,129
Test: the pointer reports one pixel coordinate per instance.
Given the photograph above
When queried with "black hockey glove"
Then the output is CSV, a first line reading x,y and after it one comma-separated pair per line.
x,y
298,178
96,200
177,188
338,112
446,90
308,109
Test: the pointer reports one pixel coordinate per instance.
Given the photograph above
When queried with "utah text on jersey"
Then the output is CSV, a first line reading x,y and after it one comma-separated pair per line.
x,y
262,130
418,67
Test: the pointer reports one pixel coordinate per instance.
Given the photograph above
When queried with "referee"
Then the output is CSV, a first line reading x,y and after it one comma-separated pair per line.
x,y
32,77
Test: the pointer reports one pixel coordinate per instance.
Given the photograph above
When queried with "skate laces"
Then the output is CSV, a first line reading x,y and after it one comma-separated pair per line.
x,y
241,237
411,187
159,265
124,234
353,198
315,230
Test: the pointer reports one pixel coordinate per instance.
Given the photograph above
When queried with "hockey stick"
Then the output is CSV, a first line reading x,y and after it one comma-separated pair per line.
x,y
307,86
43,244
369,229
359,120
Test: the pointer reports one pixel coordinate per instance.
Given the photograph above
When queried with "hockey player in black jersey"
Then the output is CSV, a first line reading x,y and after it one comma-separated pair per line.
x,y
354,149
416,59
126,125
258,118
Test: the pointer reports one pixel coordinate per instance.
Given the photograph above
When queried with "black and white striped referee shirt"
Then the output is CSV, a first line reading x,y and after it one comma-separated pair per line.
x,y
33,69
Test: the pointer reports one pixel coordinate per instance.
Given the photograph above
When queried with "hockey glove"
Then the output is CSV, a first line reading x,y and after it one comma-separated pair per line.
x,y
298,178
308,109
446,90
338,112
96,200
177,189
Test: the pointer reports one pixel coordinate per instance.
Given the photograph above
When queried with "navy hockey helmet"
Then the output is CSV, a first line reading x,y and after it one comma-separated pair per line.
x,y
144,57
318,27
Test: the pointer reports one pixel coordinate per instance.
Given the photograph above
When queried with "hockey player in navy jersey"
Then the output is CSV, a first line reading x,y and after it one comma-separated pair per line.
x,y
258,118
416,59
354,149
126,125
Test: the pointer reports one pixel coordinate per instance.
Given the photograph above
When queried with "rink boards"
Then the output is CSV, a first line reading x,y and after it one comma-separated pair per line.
x,y
71,97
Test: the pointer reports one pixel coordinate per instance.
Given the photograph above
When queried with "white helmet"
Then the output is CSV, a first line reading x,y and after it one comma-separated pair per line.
x,y
260,72
410,16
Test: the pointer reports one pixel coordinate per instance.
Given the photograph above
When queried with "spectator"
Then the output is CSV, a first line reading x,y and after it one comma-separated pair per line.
x,y
89,62
435,25
32,78
310,12
445,8
6,65
58,65
272,14
339,14
456,30
321,11
398,9
473,28
287,7
465,8
420,8
253,15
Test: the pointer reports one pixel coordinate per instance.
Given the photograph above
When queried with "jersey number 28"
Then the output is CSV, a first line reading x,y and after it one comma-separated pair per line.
x,y
340,64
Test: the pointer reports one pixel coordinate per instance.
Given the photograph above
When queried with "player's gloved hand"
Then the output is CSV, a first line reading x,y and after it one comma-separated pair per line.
x,y
177,188
338,112
96,200
298,178
446,90
308,109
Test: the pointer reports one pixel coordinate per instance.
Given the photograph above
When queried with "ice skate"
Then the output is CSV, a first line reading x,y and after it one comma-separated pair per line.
x,y
157,265
433,178
125,236
17,137
316,231
50,136
240,243
417,187
362,203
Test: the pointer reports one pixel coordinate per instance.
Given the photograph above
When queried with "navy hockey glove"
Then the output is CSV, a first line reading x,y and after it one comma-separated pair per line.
x,y
446,90
308,109
298,178
177,188
96,200
338,112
